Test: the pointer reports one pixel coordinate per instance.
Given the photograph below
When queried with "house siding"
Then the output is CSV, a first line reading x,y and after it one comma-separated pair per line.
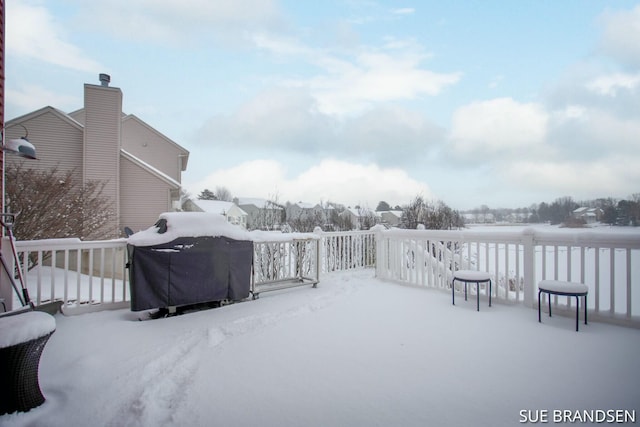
x,y
78,116
103,112
144,196
145,143
58,142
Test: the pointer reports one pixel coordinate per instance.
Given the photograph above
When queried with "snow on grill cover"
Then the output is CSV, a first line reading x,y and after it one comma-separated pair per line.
x,y
189,258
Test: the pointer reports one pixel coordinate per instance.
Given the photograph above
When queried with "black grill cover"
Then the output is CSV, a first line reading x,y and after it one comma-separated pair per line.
x,y
189,270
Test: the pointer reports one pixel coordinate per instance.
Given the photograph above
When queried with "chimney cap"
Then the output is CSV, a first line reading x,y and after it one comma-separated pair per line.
x,y
105,79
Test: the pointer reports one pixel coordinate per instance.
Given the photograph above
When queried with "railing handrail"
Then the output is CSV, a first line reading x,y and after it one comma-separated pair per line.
x,y
577,237
68,243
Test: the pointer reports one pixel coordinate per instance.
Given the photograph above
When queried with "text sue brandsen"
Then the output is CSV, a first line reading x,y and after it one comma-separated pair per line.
x,y
605,416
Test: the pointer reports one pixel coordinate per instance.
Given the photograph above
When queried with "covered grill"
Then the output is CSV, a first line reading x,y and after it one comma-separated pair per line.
x,y
189,258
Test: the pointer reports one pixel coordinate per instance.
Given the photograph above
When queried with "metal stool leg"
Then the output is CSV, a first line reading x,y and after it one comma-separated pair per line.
x,y
577,311
585,309
453,291
539,318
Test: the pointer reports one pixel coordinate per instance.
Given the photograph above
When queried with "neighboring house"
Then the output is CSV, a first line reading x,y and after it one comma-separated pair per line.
x,y
141,167
234,214
391,218
262,214
362,219
588,215
302,210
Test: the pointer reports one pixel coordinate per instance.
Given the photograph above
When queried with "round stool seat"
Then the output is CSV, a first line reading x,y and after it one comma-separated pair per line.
x,y
472,276
564,288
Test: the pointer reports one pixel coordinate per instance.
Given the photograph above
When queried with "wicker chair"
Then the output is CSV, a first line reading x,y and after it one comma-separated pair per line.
x,y
19,365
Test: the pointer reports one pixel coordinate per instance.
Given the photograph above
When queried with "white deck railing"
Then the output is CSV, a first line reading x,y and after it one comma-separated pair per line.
x,y
608,262
93,275
284,264
83,275
348,250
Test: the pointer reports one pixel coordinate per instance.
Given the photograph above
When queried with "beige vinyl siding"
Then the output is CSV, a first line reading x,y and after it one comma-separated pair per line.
x,y
58,142
78,116
146,143
103,110
144,196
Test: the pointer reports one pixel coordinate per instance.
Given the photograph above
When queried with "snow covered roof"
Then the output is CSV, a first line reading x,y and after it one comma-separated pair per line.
x,y
217,206
394,213
257,202
360,212
305,205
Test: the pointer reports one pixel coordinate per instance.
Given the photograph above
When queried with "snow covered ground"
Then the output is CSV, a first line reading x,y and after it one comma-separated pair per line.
x,y
353,352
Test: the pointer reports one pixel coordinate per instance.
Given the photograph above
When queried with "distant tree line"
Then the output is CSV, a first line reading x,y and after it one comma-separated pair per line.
x,y
560,211
437,215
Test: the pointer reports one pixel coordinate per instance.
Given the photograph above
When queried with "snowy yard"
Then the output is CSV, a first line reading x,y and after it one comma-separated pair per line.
x,y
353,352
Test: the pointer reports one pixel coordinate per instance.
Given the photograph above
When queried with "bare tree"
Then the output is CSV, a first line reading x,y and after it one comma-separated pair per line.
x,y
223,193
414,213
306,222
55,204
271,216
367,218
437,216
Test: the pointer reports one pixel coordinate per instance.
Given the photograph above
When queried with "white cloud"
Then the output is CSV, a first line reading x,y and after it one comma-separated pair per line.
x,y
611,84
499,125
350,85
179,22
615,176
288,119
403,11
31,97
33,32
621,32
375,76
590,132
279,118
329,180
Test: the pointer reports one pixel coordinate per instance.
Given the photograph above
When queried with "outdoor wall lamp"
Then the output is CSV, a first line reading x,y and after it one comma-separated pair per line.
x,y
20,146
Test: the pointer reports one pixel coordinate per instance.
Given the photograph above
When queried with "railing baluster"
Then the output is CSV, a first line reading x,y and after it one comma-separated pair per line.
x,y
629,296
597,277
612,279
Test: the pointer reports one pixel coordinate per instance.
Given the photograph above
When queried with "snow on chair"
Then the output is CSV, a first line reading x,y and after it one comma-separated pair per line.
x,y
471,276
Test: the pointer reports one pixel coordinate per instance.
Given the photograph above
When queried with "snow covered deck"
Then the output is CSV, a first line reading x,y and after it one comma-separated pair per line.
x,y
356,351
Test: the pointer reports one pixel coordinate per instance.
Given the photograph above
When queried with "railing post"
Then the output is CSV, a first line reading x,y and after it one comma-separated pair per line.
x,y
6,290
380,256
529,259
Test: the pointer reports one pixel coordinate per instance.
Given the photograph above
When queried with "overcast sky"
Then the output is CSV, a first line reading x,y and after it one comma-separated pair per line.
x,y
468,102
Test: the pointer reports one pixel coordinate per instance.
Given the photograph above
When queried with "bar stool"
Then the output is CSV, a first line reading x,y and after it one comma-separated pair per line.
x,y
570,289
471,276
